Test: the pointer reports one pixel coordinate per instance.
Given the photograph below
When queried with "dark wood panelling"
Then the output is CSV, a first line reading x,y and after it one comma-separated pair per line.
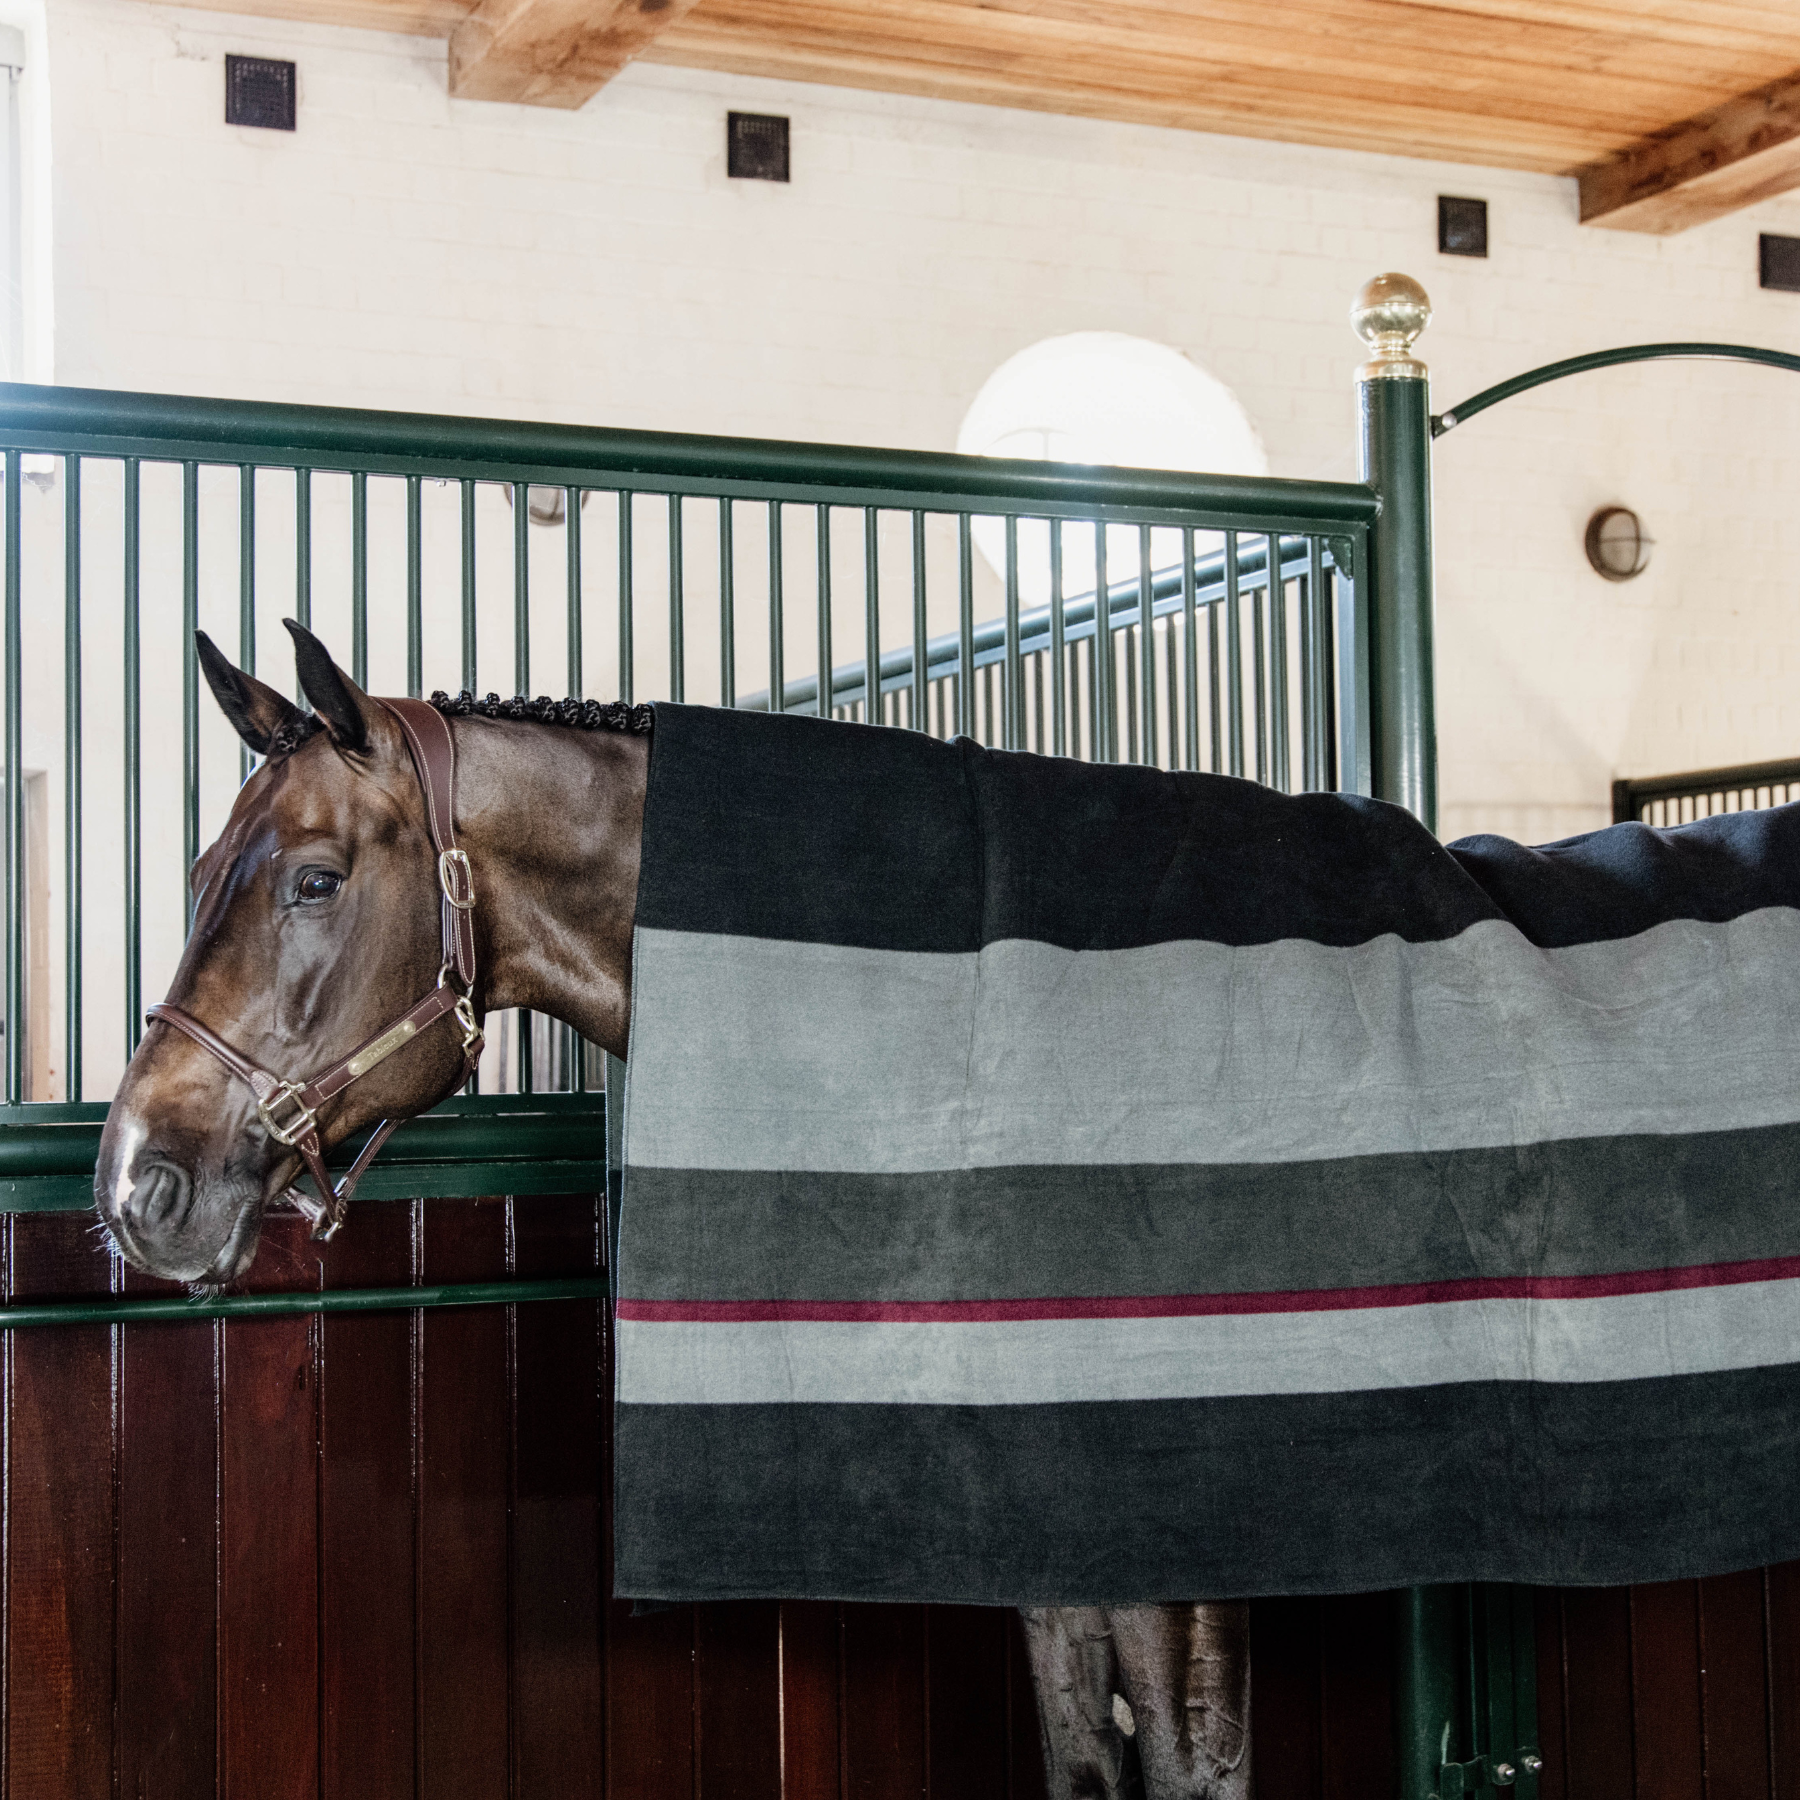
x,y
369,1577
168,1543
1597,1682
737,1699
966,1702
1552,1700
557,1580
884,1718
269,1538
1665,1690
811,1660
1025,1758
1734,1685
366,1555
650,1701
59,1534
464,1484
1356,1655
1285,1712
1783,1639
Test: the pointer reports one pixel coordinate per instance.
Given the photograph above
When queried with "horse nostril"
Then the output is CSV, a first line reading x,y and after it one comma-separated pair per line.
x,y
159,1197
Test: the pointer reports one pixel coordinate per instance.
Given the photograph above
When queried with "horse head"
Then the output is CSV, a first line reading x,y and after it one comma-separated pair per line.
x,y
316,922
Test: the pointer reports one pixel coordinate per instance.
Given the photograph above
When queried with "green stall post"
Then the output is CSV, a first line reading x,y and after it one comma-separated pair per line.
x,y
1465,1711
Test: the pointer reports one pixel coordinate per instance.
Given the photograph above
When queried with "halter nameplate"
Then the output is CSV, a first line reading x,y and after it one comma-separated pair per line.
x,y
384,1046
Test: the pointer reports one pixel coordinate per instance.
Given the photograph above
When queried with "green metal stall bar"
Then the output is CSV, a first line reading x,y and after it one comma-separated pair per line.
x,y
513,1144
1465,1711
174,1309
1465,1675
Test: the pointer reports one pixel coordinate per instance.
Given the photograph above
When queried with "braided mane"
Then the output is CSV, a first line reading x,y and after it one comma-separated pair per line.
x,y
579,715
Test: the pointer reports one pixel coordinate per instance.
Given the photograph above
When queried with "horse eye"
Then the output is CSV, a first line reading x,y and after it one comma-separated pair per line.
x,y
319,884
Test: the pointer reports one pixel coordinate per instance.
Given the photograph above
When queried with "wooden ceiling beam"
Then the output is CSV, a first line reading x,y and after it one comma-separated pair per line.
x,y
1683,175
552,52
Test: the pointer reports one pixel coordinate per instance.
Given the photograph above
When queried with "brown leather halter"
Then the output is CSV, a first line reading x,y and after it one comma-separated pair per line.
x,y
289,1110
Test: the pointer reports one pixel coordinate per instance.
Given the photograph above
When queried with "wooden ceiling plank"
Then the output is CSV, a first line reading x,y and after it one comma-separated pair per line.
x,y
1392,138
552,52
1613,42
409,18
1339,48
1272,110
1757,28
1063,58
1728,157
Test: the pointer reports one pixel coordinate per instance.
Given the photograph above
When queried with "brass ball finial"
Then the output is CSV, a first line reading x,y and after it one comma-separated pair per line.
x,y
1388,316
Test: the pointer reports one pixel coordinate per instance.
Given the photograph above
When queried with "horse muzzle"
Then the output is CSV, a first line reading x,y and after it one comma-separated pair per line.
x,y
166,1219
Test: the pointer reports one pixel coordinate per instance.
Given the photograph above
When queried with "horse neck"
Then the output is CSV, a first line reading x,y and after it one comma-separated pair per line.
x,y
552,819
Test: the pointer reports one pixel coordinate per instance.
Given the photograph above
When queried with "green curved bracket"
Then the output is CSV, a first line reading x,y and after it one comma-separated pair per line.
x,y
1609,359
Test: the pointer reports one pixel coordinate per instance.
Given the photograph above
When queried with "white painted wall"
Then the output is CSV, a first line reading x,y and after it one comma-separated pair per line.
x,y
405,250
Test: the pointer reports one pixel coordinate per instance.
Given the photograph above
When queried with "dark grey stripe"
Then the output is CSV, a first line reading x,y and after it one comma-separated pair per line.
x,y
1182,1500
1585,1207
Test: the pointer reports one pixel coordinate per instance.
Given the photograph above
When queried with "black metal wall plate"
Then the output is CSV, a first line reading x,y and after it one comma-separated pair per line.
x,y
259,91
1462,226
1779,260
756,147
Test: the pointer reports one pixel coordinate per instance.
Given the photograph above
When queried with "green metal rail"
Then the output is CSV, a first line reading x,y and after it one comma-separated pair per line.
x,y
1697,793
491,1144
1608,359
172,1310
102,422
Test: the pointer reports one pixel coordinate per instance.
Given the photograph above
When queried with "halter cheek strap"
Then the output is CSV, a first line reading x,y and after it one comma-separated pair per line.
x,y
290,1110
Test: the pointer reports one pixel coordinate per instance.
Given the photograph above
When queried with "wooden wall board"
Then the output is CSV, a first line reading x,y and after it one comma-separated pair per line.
x,y
366,1556
463,1510
1666,1690
269,1536
557,1581
1735,1683
61,1567
167,1530
368,1548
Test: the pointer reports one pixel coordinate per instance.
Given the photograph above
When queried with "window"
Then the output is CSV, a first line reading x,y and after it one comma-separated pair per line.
x,y
1102,397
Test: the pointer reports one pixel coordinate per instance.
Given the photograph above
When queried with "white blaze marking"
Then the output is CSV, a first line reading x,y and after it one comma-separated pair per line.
x,y
127,1180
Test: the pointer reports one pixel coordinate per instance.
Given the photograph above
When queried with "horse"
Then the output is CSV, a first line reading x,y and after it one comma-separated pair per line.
x,y
485,862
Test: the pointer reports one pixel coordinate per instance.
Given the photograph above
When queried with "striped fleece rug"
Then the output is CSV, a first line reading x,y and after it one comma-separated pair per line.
x,y
1058,1184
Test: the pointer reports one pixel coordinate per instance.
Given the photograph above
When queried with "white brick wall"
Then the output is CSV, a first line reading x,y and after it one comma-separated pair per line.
x,y
402,249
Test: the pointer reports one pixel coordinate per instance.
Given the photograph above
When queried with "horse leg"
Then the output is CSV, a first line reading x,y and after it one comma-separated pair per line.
x,y
1186,1671
1075,1670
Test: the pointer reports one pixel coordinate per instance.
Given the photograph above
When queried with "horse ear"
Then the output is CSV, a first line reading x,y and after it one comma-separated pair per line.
x,y
338,701
256,712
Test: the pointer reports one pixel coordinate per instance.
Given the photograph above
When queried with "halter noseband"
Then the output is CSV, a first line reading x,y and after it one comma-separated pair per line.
x,y
290,1110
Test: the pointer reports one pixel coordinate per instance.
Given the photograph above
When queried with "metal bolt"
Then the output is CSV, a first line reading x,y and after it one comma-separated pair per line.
x,y
1504,1774
1531,1763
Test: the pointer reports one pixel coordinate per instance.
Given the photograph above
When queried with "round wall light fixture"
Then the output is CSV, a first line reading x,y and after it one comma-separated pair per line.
x,y
1618,547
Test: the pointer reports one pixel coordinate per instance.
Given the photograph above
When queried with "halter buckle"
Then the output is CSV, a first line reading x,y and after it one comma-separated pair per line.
x,y
457,879
301,1125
